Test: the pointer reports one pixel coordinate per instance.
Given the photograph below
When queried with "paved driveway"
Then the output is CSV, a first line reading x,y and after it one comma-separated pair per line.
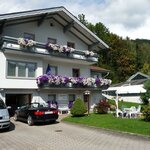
x,y
63,136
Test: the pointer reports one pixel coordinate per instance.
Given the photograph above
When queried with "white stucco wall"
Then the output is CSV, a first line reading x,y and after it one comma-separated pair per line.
x,y
15,83
65,69
43,32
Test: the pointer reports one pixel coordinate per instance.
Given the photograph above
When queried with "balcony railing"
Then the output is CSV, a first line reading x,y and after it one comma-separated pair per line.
x,y
11,43
58,81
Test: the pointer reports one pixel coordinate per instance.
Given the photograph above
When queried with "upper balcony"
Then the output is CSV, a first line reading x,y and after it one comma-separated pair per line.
x,y
26,46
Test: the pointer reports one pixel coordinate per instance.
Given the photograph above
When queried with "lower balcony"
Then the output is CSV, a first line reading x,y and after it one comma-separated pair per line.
x,y
52,81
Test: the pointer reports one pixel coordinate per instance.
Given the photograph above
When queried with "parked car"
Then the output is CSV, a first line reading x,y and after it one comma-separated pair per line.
x,y
4,116
35,112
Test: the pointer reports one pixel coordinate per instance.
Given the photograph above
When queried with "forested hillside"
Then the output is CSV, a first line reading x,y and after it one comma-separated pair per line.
x,y
124,57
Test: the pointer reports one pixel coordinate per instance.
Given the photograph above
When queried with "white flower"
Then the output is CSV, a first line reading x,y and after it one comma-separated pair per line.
x,y
26,42
89,53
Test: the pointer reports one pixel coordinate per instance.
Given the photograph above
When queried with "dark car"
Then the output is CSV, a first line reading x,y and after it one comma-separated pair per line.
x,y
35,112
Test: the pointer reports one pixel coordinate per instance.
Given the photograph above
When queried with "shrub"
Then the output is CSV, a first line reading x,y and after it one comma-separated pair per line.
x,y
146,113
78,108
146,96
101,107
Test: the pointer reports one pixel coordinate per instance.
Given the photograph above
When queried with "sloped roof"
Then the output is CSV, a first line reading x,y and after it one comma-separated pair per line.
x,y
60,15
98,69
138,76
132,82
127,89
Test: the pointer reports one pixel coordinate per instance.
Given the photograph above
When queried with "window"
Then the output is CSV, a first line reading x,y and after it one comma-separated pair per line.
x,y
11,69
71,100
52,97
72,97
75,72
95,74
51,40
31,69
71,44
53,70
21,69
29,36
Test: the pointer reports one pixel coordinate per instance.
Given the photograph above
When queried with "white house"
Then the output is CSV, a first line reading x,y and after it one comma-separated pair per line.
x,y
130,90
32,42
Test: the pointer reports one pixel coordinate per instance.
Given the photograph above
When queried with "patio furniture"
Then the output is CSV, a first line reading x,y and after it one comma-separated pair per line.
x,y
132,112
135,112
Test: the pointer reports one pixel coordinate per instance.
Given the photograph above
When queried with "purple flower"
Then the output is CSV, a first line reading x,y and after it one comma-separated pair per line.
x,y
97,81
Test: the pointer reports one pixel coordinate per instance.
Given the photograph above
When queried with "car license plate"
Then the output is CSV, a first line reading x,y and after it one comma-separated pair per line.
x,y
48,112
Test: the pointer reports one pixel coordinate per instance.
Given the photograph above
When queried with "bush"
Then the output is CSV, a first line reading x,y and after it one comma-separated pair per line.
x,y
146,113
78,108
146,96
101,107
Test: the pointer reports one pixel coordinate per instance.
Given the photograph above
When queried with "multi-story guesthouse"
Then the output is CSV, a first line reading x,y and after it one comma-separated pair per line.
x,y
46,55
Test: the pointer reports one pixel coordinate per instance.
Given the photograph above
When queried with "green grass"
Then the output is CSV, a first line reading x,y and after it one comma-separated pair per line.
x,y
108,121
125,104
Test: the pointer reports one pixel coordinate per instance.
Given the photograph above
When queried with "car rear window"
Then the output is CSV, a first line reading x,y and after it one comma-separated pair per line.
x,y
2,105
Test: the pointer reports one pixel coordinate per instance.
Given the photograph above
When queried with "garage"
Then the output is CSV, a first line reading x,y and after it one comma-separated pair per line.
x,y
17,100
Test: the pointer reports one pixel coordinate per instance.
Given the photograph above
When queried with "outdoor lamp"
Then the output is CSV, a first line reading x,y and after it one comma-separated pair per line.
x,y
87,93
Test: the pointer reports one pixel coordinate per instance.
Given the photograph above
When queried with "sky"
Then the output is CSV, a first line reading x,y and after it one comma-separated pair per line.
x,y
126,18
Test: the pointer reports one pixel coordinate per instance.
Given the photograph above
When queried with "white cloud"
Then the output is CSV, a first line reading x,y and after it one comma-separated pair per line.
x,y
124,17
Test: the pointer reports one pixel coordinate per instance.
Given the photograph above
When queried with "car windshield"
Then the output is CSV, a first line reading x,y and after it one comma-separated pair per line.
x,y
2,105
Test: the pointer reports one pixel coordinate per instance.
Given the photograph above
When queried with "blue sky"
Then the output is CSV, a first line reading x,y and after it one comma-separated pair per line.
x,y
124,17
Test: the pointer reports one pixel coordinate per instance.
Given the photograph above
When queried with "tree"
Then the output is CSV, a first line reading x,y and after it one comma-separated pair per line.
x,y
146,69
82,19
124,57
146,96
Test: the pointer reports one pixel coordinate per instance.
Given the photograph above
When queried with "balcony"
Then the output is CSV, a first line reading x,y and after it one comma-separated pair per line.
x,y
15,44
57,81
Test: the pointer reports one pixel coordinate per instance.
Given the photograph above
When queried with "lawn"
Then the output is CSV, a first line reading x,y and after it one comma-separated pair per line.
x,y
108,121
125,104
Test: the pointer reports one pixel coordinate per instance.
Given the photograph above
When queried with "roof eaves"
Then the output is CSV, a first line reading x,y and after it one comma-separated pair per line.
x,y
84,27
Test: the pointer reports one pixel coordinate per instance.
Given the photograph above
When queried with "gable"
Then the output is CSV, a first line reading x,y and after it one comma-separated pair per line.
x,y
138,76
48,29
62,16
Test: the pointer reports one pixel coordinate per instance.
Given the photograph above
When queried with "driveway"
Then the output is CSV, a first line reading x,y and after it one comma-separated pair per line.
x,y
64,136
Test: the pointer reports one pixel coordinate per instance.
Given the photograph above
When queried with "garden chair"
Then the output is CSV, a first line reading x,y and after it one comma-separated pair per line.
x,y
133,113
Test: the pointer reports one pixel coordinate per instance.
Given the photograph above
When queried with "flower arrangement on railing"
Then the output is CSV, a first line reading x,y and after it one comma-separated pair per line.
x,y
60,80
26,42
59,48
89,53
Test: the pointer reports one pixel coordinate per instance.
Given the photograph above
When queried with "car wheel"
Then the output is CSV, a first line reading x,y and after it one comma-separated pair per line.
x,y
30,121
53,121
15,117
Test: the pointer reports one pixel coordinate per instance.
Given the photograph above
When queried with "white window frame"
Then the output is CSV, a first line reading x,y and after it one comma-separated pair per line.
x,y
16,70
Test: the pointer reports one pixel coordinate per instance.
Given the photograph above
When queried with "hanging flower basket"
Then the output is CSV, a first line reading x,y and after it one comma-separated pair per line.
x,y
89,53
72,81
59,48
